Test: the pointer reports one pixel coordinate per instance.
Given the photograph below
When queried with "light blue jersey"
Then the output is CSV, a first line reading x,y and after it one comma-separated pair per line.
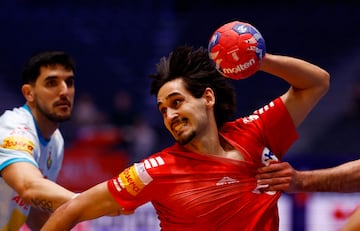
x,y
20,141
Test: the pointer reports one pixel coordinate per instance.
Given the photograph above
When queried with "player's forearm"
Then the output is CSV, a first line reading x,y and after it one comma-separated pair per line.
x,y
46,195
91,204
62,219
343,178
36,219
299,73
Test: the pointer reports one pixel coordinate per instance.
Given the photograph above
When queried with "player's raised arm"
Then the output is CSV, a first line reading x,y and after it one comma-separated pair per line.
x,y
92,203
239,50
308,83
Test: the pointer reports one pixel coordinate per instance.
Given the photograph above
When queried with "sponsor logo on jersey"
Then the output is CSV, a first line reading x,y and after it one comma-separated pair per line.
x,y
133,179
18,143
226,180
267,157
21,131
21,203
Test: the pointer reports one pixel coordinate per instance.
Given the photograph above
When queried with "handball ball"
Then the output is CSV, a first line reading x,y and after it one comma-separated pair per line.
x,y
237,48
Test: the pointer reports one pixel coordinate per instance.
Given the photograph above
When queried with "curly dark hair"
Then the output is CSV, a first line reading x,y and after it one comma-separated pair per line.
x,y
198,72
31,69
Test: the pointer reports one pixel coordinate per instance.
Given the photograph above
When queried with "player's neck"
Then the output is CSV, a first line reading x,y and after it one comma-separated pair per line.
x,y
45,126
208,144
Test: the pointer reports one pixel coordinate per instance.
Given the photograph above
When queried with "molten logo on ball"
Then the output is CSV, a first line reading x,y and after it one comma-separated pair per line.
x,y
237,49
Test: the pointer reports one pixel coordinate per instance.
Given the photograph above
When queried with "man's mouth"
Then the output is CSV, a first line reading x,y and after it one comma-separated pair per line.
x,y
178,124
63,104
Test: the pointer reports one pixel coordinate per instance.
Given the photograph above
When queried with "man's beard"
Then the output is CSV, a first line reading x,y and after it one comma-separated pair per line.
x,y
52,116
183,140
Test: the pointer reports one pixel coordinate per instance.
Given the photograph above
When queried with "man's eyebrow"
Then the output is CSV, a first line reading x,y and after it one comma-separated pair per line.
x,y
168,97
50,77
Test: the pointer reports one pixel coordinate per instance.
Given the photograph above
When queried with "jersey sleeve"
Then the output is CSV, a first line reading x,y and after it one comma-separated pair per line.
x,y
273,125
279,130
130,186
17,140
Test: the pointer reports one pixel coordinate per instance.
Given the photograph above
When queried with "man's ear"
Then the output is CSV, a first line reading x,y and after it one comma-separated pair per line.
x,y
27,92
209,96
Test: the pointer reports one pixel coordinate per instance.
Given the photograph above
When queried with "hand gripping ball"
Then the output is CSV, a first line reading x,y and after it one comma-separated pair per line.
x,y
237,48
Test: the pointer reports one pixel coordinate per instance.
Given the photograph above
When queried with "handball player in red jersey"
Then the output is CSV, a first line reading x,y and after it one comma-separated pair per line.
x,y
206,180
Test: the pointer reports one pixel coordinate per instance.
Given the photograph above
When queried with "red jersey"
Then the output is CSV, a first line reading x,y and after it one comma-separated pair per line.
x,y
192,191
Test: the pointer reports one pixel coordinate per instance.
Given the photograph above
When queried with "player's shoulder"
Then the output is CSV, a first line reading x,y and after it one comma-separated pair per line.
x,y
274,105
16,116
157,160
17,126
161,160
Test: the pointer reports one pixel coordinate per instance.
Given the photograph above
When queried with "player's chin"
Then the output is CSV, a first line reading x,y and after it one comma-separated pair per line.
x,y
61,117
184,139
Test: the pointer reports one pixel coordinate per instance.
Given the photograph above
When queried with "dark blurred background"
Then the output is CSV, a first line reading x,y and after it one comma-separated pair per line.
x,y
116,45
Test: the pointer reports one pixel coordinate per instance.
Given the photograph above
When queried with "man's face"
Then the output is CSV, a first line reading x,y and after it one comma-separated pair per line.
x,y
184,116
53,93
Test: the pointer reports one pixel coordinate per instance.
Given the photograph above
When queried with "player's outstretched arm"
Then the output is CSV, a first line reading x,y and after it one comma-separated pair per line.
x,y
33,188
36,219
90,204
278,177
43,195
308,83
344,178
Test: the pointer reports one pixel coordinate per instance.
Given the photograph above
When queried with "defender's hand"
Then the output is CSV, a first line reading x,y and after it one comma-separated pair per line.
x,y
278,177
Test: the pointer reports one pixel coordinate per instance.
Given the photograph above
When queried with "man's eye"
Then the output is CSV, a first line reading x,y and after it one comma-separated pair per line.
x,y
177,102
70,82
51,83
163,110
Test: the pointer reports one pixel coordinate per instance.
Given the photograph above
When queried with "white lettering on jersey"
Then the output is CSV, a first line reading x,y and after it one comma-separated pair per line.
x,y
226,180
265,108
250,118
